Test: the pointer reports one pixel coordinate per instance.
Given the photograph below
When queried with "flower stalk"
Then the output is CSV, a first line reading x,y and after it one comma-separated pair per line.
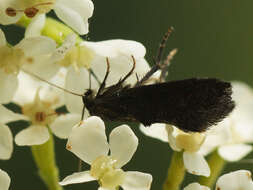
x,y
44,157
176,172
216,164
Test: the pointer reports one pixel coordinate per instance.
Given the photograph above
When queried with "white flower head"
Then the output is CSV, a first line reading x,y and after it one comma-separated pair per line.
x,y
89,142
240,179
39,102
237,180
232,136
27,53
74,13
5,180
94,56
178,140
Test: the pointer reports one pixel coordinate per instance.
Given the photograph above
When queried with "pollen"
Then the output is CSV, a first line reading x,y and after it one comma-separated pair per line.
x,y
11,12
68,147
105,171
29,60
31,12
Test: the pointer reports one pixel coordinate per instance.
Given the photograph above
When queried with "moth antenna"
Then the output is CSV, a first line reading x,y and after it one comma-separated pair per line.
x,y
157,65
54,85
163,44
166,64
102,86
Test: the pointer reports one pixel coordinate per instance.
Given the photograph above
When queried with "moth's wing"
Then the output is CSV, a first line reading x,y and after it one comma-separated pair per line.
x,y
191,104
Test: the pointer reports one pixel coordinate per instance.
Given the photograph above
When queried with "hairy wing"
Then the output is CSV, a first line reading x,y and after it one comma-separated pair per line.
x,y
191,104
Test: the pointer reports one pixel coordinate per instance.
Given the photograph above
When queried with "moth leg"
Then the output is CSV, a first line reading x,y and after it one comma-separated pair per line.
x,y
158,58
91,72
102,86
130,72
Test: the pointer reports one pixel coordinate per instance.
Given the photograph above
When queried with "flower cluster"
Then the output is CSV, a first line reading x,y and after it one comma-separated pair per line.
x,y
51,68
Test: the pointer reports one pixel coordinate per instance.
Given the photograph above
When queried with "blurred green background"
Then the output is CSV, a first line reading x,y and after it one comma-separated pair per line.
x,y
214,39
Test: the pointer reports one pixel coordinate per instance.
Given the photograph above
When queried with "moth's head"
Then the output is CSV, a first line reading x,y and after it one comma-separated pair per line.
x,y
88,93
88,98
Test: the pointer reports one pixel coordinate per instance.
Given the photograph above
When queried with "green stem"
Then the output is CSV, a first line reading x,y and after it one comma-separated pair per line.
x,y
53,29
176,172
44,157
216,164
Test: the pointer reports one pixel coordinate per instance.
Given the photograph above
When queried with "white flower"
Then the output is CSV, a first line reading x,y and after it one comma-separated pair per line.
x,y
236,180
6,139
5,180
26,54
232,137
74,13
178,140
196,186
88,141
93,55
38,102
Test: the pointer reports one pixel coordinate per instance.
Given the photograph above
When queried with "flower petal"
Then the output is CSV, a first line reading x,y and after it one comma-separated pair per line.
x,y
75,13
137,181
7,115
116,48
35,26
9,83
33,135
196,186
123,144
157,131
79,177
37,46
88,141
236,180
119,53
196,164
234,152
77,82
2,38
63,125
6,144
5,180
119,67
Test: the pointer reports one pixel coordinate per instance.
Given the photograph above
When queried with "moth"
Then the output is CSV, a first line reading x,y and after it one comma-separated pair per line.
x,y
192,105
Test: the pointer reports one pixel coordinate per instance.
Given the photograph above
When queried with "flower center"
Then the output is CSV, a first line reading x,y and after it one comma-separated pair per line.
x,y
190,141
78,57
11,59
40,112
105,171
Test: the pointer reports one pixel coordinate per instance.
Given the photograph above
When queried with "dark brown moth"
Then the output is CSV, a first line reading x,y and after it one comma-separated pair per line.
x,y
192,105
